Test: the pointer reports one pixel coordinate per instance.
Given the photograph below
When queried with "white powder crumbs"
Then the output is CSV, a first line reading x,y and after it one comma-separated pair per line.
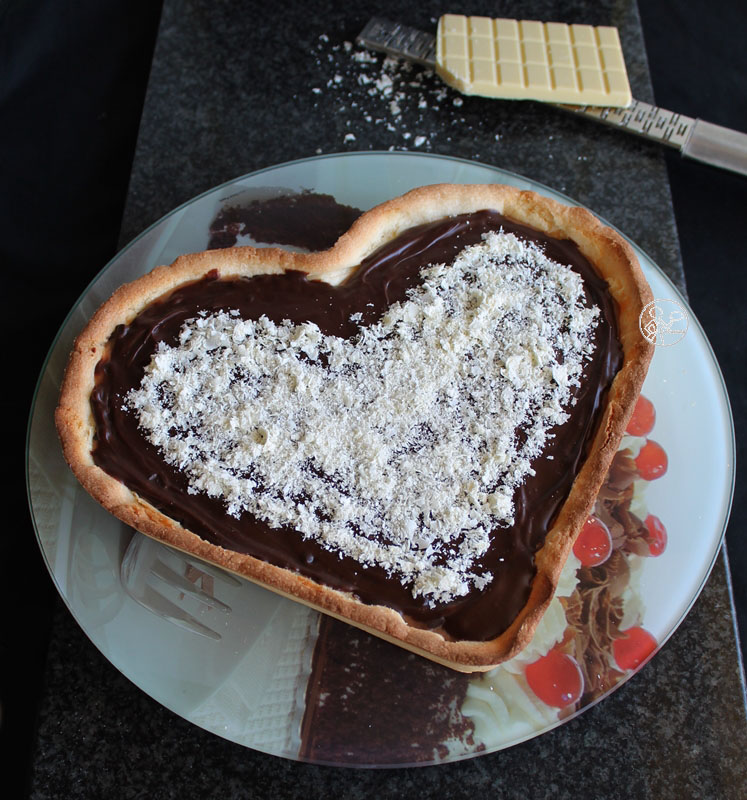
x,y
363,56
385,92
399,447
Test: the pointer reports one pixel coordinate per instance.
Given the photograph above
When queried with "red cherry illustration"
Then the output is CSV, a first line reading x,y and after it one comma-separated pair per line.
x,y
657,535
651,461
556,679
634,648
594,543
643,419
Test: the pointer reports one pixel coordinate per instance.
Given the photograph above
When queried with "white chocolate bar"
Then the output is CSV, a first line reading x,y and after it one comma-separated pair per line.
x,y
528,60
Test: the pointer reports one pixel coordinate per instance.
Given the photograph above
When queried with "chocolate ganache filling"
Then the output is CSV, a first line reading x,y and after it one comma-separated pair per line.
x,y
384,278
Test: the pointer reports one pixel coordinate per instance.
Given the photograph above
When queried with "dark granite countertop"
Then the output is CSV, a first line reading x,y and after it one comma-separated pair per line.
x,y
231,90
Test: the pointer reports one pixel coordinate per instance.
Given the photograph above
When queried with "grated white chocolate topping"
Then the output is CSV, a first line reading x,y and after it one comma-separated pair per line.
x,y
398,447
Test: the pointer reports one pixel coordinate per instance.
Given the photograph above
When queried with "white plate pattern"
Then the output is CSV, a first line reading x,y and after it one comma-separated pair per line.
x,y
249,686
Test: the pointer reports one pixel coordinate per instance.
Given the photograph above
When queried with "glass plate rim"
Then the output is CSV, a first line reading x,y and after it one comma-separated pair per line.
x,y
728,420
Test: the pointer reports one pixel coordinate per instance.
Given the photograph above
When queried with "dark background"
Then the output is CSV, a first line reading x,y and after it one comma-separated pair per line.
x,y
72,80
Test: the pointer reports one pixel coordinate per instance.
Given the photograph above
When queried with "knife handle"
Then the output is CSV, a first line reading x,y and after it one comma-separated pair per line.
x,y
720,147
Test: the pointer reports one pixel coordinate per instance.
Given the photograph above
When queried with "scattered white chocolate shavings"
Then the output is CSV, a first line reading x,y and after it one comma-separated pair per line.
x,y
370,89
399,447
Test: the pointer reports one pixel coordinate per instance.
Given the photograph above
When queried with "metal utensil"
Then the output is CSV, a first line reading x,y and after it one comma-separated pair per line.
x,y
694,138
177,587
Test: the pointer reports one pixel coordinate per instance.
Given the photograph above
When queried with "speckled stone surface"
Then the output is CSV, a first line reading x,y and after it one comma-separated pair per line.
x,y
676,730
231,91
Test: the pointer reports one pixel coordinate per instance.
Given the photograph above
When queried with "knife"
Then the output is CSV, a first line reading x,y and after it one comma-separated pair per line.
x,y
694,138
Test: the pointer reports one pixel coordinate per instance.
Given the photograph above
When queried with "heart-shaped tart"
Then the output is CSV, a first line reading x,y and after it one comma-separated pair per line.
x,y
405,431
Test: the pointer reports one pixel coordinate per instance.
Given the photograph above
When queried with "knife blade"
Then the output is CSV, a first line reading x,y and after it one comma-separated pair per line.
x,y
694,138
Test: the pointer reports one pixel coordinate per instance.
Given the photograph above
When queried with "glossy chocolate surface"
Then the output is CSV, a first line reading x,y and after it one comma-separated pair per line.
x,y
380,280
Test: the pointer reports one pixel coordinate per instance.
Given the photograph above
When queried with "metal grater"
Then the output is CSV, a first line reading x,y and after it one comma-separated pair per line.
x,y
694,138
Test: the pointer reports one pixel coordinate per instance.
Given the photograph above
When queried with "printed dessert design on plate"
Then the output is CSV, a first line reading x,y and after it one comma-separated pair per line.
x,y
406,431
594,633
272,215
365,696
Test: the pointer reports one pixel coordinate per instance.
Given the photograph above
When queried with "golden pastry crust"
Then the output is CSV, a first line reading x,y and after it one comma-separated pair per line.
x,y
611,255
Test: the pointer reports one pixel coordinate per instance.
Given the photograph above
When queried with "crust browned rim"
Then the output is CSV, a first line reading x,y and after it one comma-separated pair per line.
x,y
613,258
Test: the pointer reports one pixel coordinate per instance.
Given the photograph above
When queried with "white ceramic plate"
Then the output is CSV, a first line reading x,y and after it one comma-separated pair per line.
x,y
249,685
